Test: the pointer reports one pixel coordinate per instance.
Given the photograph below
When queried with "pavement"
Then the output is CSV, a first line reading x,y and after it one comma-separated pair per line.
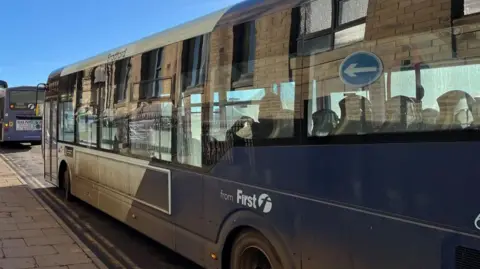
x,y
32,235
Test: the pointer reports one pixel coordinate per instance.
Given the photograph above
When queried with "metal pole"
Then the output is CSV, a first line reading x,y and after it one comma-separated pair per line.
x,y
36,101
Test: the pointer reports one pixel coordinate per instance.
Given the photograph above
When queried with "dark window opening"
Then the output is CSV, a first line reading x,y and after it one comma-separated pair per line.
x,y
195,55
244,54
122,70
295,29
151,73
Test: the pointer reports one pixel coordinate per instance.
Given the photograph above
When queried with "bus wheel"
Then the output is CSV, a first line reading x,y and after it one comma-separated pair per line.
x,y
252,250
66,186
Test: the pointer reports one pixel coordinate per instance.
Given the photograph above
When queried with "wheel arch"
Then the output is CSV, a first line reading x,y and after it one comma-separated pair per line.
x,y
243,221
61,169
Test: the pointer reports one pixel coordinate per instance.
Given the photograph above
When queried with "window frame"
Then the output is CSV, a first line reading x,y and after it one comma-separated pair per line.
x,y
150,78
335,25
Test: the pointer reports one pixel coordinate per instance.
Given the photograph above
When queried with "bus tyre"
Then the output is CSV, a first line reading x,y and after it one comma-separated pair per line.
x,y
252,250
66,186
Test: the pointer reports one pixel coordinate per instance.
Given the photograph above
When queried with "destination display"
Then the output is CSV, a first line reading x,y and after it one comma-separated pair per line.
x,y
28,125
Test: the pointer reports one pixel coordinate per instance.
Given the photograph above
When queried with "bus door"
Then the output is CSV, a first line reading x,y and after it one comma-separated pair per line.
x,y
50,140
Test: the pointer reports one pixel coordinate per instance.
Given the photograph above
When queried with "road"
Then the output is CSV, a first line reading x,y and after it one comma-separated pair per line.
x,y
117,245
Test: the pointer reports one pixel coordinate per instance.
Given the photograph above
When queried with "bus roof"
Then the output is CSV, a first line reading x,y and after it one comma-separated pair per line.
x,y
184,31
234,14
21,88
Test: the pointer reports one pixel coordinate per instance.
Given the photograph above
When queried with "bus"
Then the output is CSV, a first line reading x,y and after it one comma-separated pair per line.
x,y
284,134
20,114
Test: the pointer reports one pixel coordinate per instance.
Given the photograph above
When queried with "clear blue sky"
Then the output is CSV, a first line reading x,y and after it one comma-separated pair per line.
x,y
38,36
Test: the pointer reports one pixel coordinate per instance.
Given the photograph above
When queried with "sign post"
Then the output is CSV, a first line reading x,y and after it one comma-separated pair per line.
x,y
361,69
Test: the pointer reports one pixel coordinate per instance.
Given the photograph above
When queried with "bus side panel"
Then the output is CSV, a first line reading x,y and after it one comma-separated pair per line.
x,y
324,236
226,202
187,212
377,243
422,195
387,194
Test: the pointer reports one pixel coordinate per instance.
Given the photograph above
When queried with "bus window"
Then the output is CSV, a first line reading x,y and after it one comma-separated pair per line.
x,y
22,99
270,108
448,101
332,105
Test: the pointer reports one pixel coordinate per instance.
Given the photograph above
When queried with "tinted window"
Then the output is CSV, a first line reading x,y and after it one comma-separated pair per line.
x,y
21,99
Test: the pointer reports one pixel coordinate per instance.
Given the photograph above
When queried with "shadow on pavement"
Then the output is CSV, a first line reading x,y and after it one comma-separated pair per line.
x,y
143,251
8,147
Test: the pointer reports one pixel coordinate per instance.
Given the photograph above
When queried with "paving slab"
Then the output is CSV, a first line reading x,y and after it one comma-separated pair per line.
x,y
31,235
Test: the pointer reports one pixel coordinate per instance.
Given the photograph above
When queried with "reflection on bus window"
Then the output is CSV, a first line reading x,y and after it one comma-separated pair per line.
x,y
269,110
189,130
21,99
65,129
329,110
150,131
87,126
446,99
108,129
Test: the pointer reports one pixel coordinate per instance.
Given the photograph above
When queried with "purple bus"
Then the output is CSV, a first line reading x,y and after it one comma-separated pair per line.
x,y
21,110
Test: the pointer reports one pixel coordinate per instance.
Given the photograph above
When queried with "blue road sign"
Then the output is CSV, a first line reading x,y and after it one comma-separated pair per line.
x,y
361,69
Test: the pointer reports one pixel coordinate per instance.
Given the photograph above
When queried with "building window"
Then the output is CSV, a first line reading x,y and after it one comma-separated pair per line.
x,y
244,54
327,24
152,85
471,7
122,70
195,53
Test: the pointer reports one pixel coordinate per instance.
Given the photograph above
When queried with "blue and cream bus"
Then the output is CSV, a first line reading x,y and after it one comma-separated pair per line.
x,y
284,134
20,114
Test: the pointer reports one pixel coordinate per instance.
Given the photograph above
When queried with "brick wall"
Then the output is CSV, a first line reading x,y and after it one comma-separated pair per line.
x,y
169,65
272,58
397,31
271,62
272,49
387,18
220,63
134,79
467,37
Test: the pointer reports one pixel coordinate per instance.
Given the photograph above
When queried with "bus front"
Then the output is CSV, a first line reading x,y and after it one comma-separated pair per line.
x,y
23,119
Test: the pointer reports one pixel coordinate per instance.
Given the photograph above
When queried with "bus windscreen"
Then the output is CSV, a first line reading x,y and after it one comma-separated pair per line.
x,y
25,99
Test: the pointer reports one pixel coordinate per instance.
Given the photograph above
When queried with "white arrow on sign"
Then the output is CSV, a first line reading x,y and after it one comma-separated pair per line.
x,y
352,70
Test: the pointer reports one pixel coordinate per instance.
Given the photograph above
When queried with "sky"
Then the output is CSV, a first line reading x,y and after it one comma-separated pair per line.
x,y
39,36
